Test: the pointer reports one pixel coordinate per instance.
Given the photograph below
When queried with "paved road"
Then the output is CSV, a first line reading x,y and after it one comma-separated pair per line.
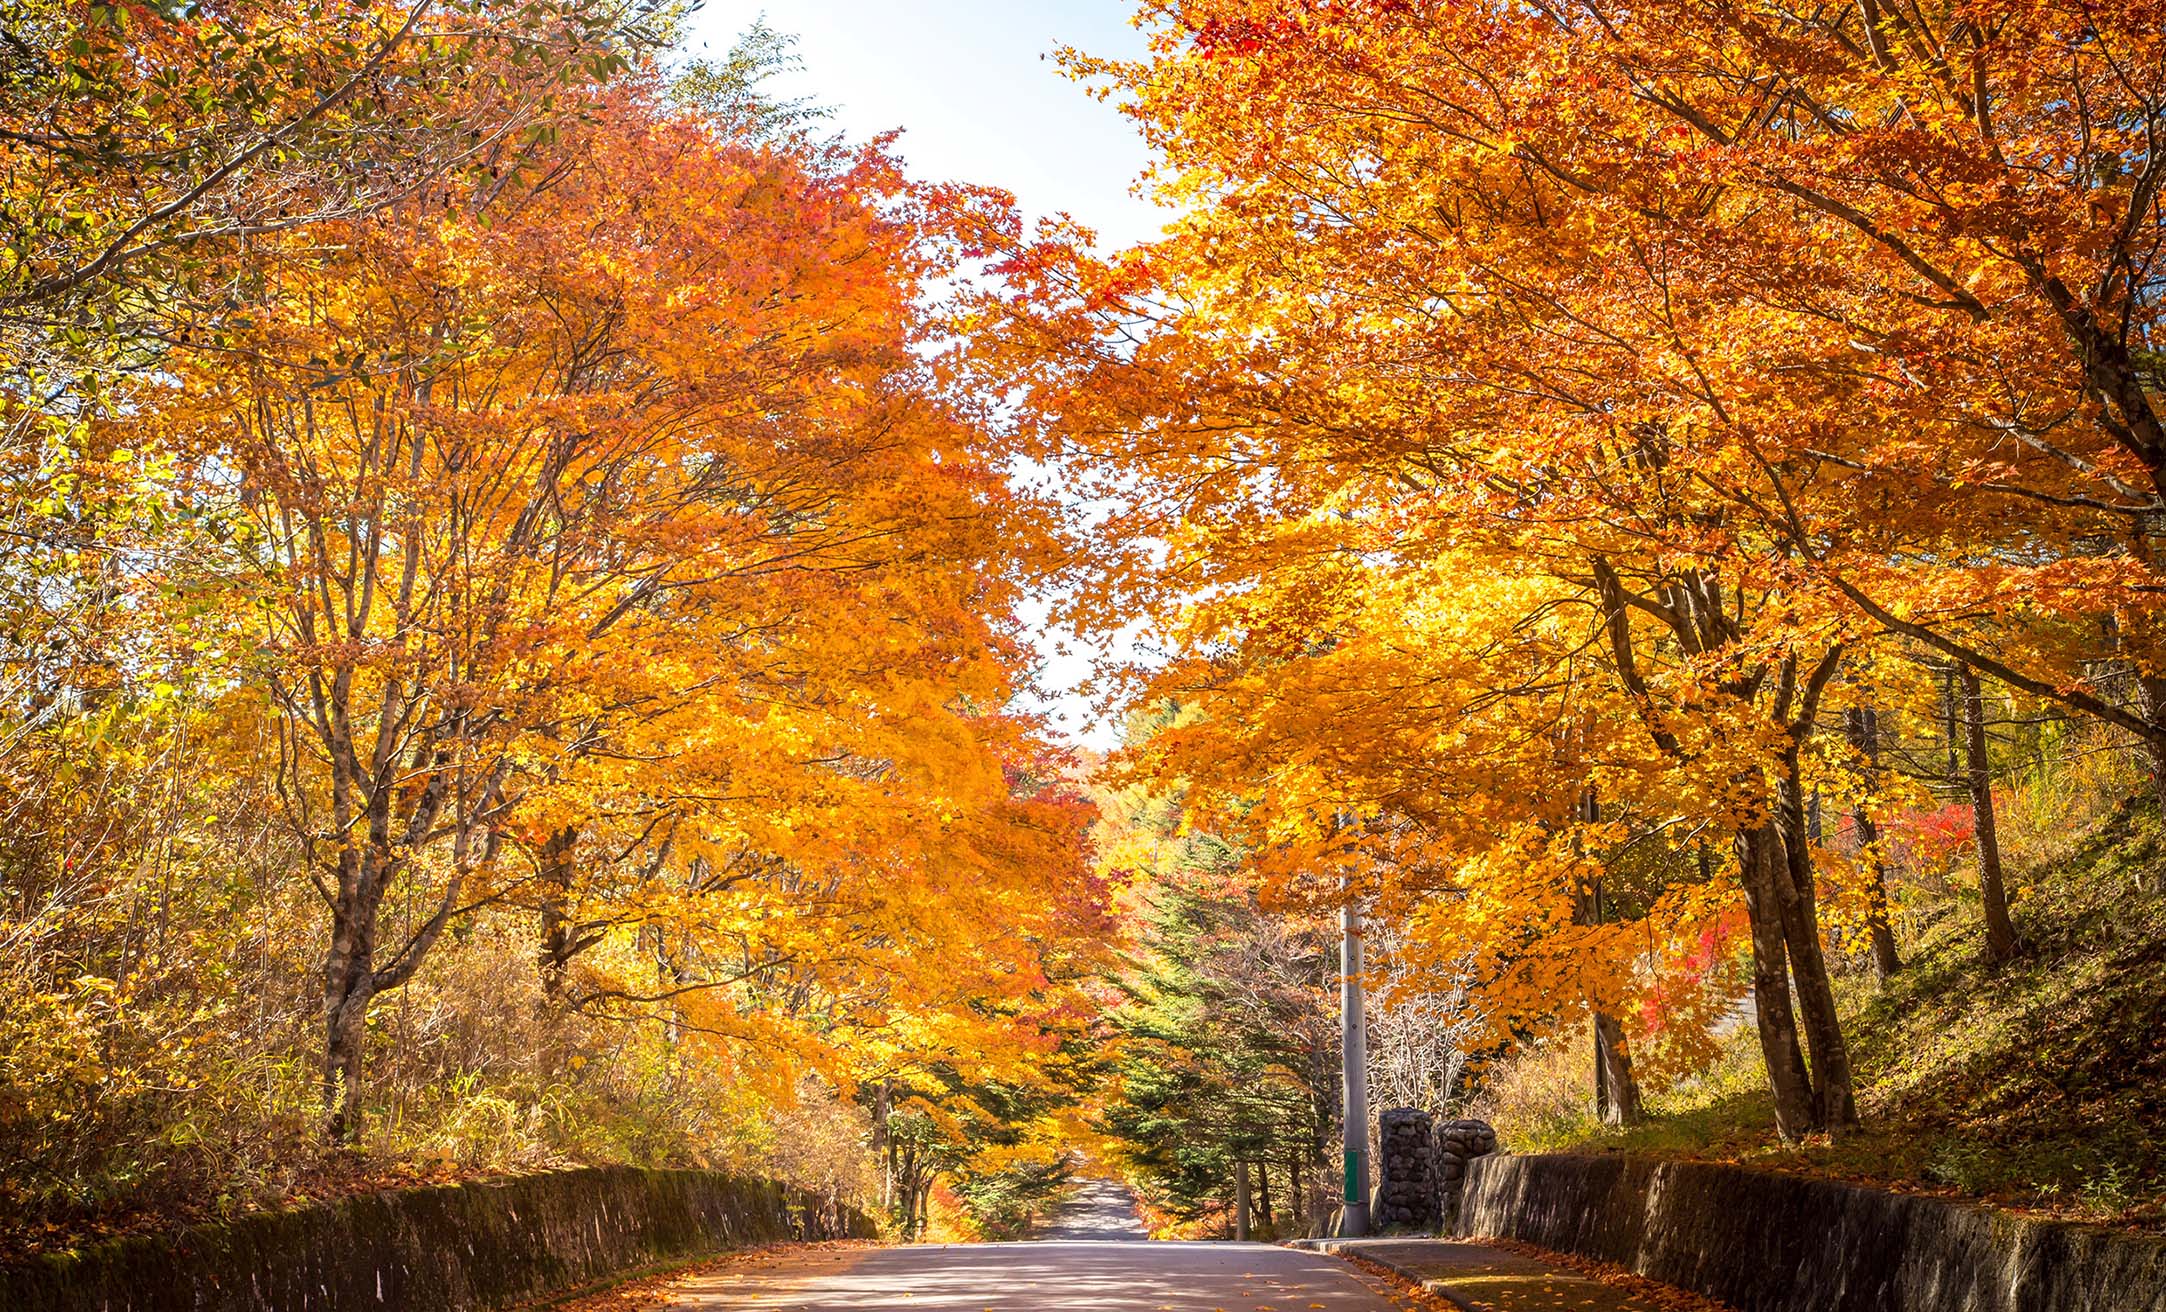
x,y
1095,1209
1060,1276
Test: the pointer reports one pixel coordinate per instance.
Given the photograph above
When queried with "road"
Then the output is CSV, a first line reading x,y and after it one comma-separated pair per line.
x,y
1090,1256
1095,1209
1044,1276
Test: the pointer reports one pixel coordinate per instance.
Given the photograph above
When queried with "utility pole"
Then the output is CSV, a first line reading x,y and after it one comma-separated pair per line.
x,y
1354,1055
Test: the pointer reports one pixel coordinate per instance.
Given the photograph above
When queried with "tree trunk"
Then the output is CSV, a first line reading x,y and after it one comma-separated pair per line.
x,y
2151,701
347,990
559,936
2001,943
883,1145
1759,868
380,843
349,982
1616,1088
1601,1074
909,1191
1619,1087
1833,1091
1863,726
1952,704
1323,1106
1296,1205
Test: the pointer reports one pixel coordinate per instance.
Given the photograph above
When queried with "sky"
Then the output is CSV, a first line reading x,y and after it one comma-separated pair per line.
x,y
975,90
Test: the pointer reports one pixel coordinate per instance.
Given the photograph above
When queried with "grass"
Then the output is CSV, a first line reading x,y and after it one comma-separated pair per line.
x,y
2040,1086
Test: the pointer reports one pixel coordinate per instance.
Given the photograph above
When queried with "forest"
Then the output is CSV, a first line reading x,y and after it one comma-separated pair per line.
x,y
520,607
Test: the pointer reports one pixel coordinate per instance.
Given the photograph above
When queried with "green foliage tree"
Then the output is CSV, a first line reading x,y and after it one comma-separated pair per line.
x,y
1226,1044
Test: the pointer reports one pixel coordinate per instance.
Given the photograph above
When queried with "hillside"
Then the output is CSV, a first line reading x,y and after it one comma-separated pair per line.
x,y
2041,1086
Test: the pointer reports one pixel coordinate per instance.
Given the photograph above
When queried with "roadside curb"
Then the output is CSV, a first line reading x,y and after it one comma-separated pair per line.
x,y
1344,1248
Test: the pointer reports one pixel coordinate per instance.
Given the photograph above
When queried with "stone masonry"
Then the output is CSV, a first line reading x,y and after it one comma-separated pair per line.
x,y
1456,1144
1406,1179
1422,1167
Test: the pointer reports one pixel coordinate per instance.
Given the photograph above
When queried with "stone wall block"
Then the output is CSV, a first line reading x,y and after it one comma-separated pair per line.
x,y
1406,1191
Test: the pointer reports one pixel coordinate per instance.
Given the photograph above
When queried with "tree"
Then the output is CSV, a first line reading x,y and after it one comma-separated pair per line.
x,y
521,523
2000,932
497,519
148,136
1684,313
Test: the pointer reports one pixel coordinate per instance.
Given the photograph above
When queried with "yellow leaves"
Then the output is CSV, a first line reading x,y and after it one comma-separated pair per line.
x,y
624,514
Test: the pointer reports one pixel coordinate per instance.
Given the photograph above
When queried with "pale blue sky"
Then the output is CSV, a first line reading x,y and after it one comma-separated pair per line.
x,y
975,90
973,86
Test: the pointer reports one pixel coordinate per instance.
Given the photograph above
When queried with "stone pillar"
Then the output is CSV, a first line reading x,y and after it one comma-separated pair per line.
x,y
1406,1180
1456,1144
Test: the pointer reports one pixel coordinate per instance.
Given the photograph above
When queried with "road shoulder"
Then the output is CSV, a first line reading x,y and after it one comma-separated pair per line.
x,y
667,1287
1478,1277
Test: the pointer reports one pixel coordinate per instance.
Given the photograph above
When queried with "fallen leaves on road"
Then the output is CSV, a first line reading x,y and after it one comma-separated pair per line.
x,y
1667,1297
1404,1293
649,1292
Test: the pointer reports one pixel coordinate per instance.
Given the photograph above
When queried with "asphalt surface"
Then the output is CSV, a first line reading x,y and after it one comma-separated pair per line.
x,y
1092,1275
1094,1209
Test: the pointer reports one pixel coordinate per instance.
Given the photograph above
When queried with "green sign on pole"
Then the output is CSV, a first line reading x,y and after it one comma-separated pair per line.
x,y
1353,1177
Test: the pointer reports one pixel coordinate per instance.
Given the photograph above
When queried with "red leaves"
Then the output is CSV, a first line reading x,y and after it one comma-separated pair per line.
x,y
1930,841
1220,38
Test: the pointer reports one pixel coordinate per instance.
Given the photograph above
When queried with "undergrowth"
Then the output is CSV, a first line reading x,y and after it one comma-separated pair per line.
x,y
2039,1086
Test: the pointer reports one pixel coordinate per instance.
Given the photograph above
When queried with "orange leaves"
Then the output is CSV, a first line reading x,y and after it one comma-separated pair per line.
x,y
1533,402
615,556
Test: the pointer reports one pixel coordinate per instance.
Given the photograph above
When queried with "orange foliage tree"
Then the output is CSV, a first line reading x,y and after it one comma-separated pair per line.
x,y
1541,418
501,611
604,548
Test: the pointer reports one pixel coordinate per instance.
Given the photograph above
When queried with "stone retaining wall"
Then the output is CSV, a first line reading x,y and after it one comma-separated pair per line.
x,y
474,1246
1765,1242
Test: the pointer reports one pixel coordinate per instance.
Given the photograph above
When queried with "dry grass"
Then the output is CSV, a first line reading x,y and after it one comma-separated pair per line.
x,y
190,1095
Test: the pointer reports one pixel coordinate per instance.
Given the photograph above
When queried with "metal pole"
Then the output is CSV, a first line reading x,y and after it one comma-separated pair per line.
x,y
1354,1051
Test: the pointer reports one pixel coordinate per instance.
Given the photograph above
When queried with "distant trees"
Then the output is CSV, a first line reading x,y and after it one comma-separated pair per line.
x,y
1225,1059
